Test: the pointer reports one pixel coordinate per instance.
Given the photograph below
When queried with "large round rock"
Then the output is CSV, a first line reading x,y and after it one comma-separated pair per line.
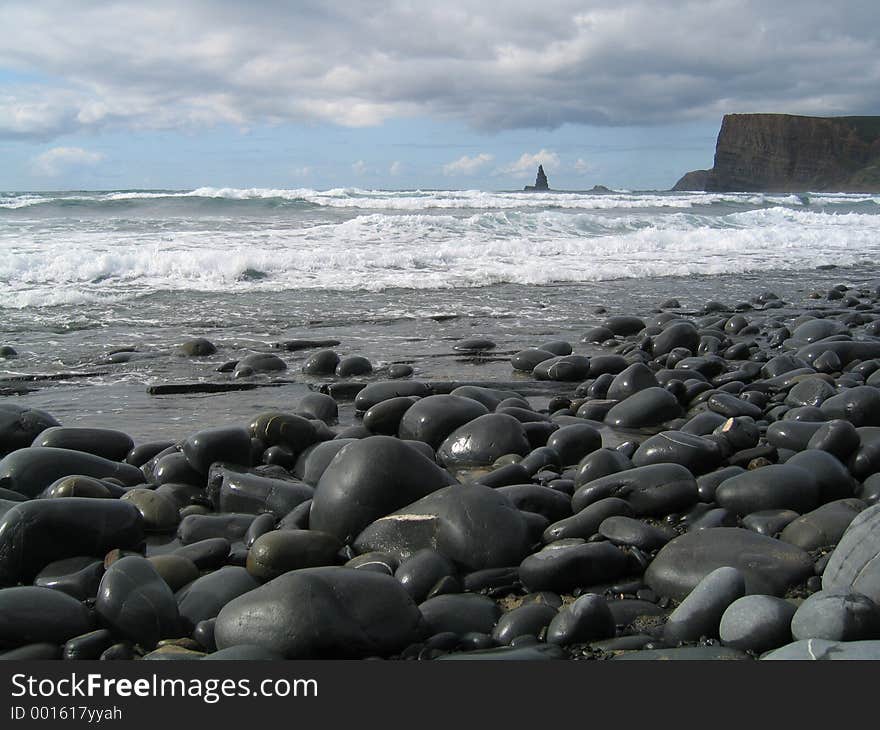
x,y
654,490
19,426
472,525
29,471
699,614
648,407
104,442
836,616
230,444
35,533
562,569
30,615
369,479
328,612
481,441
699,455
777,486
855,563
136,602
280,551
757,623
768,566
204,597
432,419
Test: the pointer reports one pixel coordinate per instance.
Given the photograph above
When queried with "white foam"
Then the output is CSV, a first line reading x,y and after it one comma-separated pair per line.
x,y
68,261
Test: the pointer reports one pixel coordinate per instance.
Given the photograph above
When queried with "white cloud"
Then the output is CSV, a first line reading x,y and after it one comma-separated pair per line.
x,y
359,168
396,168
528,163
582,167
91,65
465,165
303,171
57,160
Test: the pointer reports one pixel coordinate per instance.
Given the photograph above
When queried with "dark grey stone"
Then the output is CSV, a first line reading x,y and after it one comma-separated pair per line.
x,y
32,615
31,470
472,525
836,616
778,486
768,566
854,564
432,419
331,612
135,602
757,623
654,490
699,614
562,569
368,479
648,407
481,441
823,526
35,533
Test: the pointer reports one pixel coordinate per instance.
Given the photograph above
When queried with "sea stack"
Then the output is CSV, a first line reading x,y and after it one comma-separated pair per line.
x,y
540,181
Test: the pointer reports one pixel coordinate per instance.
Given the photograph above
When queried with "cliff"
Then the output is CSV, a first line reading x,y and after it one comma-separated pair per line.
x,y
785,153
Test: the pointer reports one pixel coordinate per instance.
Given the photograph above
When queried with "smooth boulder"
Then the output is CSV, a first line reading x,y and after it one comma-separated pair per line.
x,y
768,566
472,525
368,479
330,612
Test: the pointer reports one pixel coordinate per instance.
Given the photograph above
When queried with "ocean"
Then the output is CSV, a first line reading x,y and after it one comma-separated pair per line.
x,y
395,276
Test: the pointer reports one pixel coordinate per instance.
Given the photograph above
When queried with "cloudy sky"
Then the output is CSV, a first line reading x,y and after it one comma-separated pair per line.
x,y
396,94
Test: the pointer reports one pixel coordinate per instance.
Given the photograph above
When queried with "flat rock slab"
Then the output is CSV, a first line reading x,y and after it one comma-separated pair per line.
x,y
688,653
822,650
769,566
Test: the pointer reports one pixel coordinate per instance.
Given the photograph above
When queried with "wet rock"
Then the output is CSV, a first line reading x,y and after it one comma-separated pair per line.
x,y
823,526
31,615
29,471
369,479
481,441
472,525
778,486
699,455
203,598
648,407
525,620
104,442
586,619
768,566
230,444
460,613
244,492
434,418
280,551
330,612
562,569
622,530
35,533
135,602
657,489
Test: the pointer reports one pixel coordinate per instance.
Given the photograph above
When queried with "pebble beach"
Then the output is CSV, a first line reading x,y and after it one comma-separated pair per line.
x,y
626,441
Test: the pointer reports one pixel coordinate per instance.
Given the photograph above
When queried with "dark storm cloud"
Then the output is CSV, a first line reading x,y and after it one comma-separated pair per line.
x,y
164,64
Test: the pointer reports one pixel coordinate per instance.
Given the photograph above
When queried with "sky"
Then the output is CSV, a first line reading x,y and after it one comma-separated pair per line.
x,y
409,94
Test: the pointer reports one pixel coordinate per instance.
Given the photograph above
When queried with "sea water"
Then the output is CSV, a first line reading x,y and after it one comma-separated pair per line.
x,y
393,275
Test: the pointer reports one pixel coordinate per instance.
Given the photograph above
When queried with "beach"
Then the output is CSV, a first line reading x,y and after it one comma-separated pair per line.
x,y
547,425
